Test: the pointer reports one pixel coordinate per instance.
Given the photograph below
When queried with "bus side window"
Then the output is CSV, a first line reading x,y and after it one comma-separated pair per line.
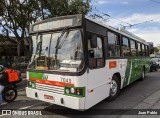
x,y
113,45
139,49
133,48
125,47
95,53
147,51
143,50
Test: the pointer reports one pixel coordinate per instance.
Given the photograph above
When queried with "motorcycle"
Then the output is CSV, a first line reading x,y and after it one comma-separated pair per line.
x,y
9,93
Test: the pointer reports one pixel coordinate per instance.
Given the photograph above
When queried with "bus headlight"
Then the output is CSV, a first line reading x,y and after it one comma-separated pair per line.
x,y
67,91
74,91
31,84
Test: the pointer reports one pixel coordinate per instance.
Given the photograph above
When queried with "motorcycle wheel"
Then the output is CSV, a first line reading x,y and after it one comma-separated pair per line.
x,y
9,94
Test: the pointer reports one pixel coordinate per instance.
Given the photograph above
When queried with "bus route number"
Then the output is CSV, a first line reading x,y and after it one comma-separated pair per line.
x,y
65,80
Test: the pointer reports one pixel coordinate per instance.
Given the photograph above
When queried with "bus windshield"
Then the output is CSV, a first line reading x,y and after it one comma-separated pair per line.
x,y
58,51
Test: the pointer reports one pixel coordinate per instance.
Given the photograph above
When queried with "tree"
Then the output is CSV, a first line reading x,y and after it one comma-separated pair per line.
x,y
152,51
1,8
16,18
17,15
66,7
156,50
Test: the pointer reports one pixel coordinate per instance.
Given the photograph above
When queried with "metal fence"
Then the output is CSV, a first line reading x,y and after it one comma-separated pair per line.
x,y
15,62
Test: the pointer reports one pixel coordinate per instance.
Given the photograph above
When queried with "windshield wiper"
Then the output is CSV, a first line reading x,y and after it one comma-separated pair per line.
x,y
49,51
59,44
36,47
60,41
39,46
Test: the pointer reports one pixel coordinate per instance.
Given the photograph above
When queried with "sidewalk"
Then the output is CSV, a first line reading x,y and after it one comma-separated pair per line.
x,y
149,104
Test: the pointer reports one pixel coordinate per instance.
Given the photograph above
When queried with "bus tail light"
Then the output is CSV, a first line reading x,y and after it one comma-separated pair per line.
x,y
74,91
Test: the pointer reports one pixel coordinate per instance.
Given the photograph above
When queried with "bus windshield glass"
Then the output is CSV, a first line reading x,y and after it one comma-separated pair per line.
x,y
58,51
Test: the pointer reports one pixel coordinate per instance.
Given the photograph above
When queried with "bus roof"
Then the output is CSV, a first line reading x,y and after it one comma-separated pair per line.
x,y
79,16
120,30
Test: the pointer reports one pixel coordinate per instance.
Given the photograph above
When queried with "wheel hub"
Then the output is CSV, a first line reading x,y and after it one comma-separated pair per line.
x,y
113,88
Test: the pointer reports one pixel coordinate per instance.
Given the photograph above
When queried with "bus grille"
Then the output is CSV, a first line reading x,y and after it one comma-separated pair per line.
x,y
49,88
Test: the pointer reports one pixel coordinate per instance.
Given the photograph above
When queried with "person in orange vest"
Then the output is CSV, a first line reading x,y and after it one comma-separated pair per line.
x,y
3,81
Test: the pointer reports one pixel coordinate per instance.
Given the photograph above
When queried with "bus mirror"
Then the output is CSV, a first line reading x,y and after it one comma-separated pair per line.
x,y
94,41
92,63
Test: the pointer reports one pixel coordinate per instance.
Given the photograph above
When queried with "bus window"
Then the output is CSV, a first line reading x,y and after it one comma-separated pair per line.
x,y
147,50
143,50
139,50
125,47
133,48
95,54
113,45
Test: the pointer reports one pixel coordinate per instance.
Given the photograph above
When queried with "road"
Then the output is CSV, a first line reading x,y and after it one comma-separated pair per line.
x,y
128,99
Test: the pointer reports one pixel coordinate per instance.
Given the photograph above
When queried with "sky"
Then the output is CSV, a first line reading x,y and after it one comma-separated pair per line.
x,y
143,15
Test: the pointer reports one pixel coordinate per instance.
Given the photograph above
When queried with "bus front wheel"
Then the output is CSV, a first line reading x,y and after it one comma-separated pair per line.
x,y
114,88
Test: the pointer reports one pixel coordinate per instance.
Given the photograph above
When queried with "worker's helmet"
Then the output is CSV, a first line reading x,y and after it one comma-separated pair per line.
x,y
1,68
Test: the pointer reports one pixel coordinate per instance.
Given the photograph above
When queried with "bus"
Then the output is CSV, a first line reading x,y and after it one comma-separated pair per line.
x,y
77,61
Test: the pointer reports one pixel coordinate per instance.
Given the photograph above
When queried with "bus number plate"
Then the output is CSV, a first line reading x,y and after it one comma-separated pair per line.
x,y
48,97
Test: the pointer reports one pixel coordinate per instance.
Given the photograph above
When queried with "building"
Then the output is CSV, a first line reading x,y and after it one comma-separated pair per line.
x,y
9,51
150,45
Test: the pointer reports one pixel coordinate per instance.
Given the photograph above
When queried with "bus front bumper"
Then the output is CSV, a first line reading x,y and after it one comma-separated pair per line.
x,y
59,99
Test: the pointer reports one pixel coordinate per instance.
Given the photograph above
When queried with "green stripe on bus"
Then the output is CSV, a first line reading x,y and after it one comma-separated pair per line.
x,y
35,75
135,67
127,72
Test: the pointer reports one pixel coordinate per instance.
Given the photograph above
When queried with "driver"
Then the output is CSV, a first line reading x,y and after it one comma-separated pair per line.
x,y
3,81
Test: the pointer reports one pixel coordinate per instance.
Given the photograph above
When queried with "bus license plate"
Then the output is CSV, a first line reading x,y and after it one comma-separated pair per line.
x,y
48,97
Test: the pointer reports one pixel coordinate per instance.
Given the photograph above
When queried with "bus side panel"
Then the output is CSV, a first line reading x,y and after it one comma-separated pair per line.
x,y
134,69
98,87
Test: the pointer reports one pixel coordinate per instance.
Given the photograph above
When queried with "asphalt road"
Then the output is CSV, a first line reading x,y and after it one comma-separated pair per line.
x,y
128,99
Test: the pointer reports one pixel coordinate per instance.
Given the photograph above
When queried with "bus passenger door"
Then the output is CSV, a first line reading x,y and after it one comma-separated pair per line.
x,y
97,84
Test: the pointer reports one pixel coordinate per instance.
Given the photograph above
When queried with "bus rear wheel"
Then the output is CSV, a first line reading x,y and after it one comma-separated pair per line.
x,y
114,89
142,74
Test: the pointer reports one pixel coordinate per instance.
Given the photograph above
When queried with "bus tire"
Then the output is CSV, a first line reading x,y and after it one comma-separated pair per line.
x,y
114,89
143,74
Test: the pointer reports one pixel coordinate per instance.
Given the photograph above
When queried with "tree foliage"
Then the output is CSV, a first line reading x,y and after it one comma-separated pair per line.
x,y
17,15
156,50
66,7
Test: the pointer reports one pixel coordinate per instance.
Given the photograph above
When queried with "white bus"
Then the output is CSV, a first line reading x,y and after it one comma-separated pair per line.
x,y
78,62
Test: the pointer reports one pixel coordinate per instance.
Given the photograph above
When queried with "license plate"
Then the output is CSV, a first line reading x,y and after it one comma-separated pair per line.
x,y
49,97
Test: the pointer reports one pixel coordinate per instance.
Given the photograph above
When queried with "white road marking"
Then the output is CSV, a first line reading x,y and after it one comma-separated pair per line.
x,y
27,107
21,89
